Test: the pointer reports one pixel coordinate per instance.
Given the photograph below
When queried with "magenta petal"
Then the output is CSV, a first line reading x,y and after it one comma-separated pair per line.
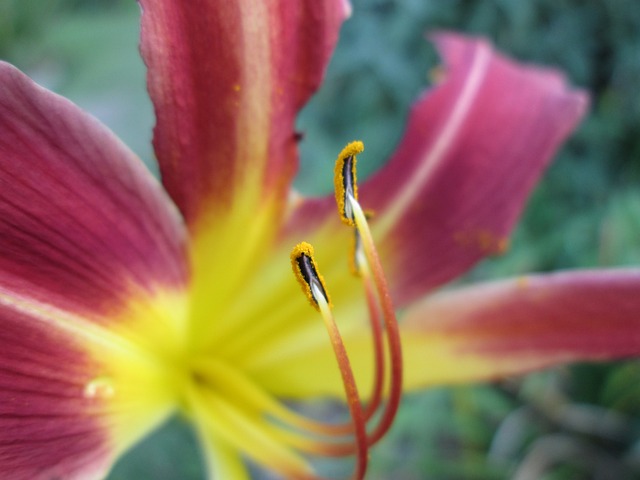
x,y
49,428
475,146
83,225
227,79
514,326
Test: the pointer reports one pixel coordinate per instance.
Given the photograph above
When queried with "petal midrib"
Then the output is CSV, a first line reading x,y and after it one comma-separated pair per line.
x,y
445,141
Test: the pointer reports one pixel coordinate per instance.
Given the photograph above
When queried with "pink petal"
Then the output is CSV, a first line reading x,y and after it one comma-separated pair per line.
x,y
227,79
83,225
49,428
514,326
475,146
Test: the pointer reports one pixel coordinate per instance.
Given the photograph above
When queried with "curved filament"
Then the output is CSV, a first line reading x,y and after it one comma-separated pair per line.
x,y
351,438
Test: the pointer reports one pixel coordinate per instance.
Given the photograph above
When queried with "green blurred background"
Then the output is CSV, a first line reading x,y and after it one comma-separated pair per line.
x,y
577,422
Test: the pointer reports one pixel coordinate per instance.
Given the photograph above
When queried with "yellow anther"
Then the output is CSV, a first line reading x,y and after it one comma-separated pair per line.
x,y
306,272
344,178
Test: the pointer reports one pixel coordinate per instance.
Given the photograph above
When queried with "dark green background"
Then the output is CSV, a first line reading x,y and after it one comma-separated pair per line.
x,y
577,422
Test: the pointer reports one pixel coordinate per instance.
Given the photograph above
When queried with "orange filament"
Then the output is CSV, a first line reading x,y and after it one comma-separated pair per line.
x,y
391,324
378,350
351,213
366,265
376,394
304,267
371,281
351,389
306,272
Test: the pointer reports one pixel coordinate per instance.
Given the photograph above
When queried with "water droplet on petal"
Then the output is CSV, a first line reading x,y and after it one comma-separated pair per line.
x,y
99,388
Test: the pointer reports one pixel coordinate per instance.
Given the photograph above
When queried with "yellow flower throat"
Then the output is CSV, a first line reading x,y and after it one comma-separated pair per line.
x,y
168,367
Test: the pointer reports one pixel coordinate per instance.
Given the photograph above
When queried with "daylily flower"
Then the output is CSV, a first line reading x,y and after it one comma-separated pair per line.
x,y
122,303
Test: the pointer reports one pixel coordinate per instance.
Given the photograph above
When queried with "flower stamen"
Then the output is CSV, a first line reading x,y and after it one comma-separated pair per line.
x,y
367,264
375,272
378,347
306,272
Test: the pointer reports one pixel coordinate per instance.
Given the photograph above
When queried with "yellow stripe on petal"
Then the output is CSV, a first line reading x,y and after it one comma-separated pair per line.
x,y
225,254
434,360
512,326
141,375
226,143
218,135
157,322
137,392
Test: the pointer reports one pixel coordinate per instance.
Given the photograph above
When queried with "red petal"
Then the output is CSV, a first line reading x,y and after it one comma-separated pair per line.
x,y
227,79
82,222
513,326
474,148
48,427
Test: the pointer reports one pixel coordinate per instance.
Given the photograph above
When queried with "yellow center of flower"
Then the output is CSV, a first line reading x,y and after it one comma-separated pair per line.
x,y
210,372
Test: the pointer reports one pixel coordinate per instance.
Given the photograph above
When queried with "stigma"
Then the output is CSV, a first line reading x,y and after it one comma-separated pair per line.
x,y
358,435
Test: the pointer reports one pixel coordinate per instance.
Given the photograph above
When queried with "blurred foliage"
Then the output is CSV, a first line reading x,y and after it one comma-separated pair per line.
x,y
579,422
